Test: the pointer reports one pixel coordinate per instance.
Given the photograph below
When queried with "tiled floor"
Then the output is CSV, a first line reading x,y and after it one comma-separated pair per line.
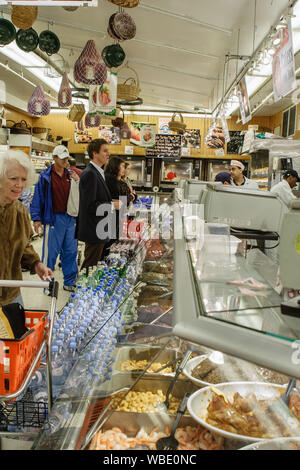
x,y
34,298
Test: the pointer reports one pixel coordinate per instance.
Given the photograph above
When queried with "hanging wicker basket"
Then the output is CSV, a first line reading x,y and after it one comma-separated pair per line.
x,y
126,3
23,17
130,89
177,126
77,112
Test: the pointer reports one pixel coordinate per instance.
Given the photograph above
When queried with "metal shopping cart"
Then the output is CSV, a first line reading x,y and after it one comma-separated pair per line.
x,y
20,358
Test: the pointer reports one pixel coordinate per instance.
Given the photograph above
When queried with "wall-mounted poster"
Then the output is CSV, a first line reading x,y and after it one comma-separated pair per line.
x,y
283,66
143,134
163,126
244,102
191,138
82,135
215,137
111,134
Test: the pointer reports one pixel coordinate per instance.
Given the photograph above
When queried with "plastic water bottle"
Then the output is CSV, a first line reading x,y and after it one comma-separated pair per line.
x,y
39,393
57,362
60,414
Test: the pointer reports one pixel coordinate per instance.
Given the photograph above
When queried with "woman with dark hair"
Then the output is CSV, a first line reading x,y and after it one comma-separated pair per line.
x,y
126,184
114,171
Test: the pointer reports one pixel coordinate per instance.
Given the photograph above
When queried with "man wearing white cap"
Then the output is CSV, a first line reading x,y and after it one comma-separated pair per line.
x,y
49,209
237,177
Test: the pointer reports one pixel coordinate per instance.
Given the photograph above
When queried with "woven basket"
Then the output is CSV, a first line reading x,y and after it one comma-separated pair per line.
x,y
23,16
177,126
130,89
126,3
77,112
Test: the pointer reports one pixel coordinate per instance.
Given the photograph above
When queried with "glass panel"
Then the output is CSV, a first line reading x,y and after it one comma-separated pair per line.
x,y
240,290
136,171
173,172
217,167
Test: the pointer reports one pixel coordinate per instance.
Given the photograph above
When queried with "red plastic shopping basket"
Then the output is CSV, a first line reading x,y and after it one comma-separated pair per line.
x,y
17,355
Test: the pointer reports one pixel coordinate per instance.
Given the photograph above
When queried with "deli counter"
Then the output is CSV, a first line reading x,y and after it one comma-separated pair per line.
x,y
202,313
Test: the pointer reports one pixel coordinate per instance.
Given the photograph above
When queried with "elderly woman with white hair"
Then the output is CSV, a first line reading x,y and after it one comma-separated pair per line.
x,y
16,174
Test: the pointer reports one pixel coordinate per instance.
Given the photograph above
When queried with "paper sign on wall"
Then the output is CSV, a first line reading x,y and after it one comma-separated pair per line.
x,y
103,98
128,149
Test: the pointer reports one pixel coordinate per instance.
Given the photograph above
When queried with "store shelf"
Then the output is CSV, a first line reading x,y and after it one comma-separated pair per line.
x,y
42,145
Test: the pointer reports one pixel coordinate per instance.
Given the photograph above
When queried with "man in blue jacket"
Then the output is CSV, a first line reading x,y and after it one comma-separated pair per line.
x,y
49,209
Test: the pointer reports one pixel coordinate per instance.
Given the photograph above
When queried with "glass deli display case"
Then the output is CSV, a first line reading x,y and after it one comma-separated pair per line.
x,y
189,305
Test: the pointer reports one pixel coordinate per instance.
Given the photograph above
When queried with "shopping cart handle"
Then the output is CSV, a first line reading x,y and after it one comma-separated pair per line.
x,y
53,288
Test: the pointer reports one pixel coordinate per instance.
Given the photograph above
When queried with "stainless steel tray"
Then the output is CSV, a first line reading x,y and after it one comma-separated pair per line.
x,y
131,423
141,353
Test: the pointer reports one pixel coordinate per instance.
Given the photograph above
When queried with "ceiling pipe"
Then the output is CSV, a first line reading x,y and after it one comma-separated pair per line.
x,y
186,18
105,35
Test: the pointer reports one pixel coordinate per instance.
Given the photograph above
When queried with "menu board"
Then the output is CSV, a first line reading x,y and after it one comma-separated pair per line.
x,y
167,146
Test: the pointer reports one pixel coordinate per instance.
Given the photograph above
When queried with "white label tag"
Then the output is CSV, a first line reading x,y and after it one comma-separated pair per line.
x,y
89,72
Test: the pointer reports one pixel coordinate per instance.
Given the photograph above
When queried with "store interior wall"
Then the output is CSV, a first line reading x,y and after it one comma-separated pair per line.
x,y
59,124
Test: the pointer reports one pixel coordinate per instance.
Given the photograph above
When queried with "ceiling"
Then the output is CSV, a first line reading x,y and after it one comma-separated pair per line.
x,y
178,52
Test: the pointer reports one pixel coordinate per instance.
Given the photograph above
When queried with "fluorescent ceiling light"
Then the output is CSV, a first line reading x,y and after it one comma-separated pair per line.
x,y
158,113
27,59
52,82
33,63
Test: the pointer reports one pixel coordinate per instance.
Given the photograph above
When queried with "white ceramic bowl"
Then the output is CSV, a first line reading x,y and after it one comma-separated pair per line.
x,y
281,443
198,402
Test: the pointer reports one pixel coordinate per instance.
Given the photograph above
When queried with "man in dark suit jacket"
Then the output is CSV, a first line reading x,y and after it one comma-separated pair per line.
x,y
95,222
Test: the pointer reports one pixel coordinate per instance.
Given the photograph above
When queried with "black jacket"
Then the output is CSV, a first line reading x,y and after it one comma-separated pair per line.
x,y
93,192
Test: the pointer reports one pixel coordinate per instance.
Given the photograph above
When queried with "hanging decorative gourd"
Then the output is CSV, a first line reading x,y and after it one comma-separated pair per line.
x,y
65,93
125,132
38,105
89,68
92,120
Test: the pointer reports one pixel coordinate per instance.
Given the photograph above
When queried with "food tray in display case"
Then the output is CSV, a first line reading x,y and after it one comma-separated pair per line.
x,y
123,391
137,358
142,334
214,368
199,406
146,428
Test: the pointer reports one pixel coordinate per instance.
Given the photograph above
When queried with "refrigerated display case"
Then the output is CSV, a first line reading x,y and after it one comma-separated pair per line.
x,y
172,172
199,313
215,167
271,157
138,171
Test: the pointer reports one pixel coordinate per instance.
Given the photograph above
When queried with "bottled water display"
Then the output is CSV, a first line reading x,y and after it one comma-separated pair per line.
x,y
86,330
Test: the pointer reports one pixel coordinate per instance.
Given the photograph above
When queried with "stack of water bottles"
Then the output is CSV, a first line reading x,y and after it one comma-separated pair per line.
x,y
91,317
